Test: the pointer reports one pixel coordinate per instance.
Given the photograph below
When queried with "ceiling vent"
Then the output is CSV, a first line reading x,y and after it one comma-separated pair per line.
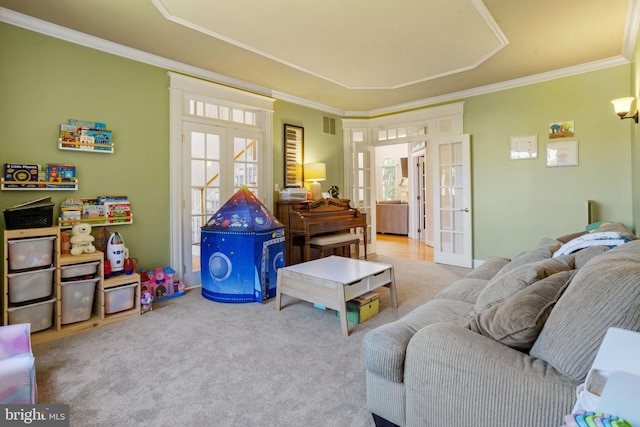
x,y
328,125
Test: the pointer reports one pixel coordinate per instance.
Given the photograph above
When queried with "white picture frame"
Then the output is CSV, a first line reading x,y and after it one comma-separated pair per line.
x,y
524,147
562,153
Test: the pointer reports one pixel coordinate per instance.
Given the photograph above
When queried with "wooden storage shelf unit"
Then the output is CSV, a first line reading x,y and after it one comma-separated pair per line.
x,y
98,316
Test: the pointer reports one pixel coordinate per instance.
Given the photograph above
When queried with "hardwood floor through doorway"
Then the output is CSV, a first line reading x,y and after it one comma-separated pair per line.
x,y
403,247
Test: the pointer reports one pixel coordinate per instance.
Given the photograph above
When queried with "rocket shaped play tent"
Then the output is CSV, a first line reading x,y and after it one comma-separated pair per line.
x,y
241,248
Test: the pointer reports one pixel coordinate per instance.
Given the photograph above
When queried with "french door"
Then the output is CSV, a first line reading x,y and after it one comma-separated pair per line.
x,y
452,201
217,162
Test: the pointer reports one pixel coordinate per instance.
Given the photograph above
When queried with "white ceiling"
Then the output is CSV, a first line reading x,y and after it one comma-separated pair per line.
x,y
356,57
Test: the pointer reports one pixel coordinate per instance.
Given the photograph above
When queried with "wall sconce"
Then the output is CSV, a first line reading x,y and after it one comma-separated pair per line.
x,y
623,108
315,172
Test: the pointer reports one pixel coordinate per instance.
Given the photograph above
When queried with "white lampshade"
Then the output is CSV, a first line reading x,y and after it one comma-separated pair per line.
x,y
315,172
622,106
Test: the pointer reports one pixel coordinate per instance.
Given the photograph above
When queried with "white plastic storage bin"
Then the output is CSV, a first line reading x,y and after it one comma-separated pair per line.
x,y
77,300
119,298
31,284
30,253
40,315
76,270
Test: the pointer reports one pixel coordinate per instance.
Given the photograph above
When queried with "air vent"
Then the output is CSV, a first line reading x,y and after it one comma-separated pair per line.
x,y
328,125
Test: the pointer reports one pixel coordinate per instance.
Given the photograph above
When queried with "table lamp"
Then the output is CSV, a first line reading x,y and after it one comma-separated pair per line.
x,y
315,172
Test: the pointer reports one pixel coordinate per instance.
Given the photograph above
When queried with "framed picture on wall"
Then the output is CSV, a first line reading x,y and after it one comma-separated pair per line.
x,y
293,156
563,153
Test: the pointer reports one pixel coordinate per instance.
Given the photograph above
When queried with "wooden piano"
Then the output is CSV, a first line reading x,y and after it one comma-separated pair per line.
x,y
305,219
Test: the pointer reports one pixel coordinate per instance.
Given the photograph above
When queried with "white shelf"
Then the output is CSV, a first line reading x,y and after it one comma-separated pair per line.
x,y
38,185
68,223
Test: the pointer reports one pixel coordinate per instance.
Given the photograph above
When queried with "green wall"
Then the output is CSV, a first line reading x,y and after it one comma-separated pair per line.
x,y
48,81
516,202
44,82
318,147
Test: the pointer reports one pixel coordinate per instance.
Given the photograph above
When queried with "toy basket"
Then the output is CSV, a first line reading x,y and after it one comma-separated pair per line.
x,y
34,215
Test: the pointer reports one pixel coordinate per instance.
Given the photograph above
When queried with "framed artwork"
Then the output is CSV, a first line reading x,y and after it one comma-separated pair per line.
x,y
293,156
563,153
561,129
524,147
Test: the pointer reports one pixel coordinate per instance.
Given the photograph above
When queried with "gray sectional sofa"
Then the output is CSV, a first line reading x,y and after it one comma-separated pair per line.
x,y
508,344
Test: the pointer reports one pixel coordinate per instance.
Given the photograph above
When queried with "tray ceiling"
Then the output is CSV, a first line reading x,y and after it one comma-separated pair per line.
x,y
359,56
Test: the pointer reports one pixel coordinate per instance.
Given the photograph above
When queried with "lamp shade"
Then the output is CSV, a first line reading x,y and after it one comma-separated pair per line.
x,y
315,172
622,106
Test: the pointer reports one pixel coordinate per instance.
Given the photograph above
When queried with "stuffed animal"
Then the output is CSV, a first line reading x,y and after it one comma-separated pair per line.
x,y
81,239
146,299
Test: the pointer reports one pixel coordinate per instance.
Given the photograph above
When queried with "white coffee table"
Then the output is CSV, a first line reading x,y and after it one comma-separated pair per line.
x,y
333,281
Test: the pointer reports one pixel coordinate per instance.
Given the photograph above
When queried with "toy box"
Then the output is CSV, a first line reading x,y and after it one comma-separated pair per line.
x,y
30,253
362,308
79,270
119,298
77,300
39,315
29,285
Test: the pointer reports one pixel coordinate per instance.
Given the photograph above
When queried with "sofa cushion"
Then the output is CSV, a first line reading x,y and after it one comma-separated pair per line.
x,y
488,269
583,256
503,286
604,293
517,321
466,289
385,347
545,249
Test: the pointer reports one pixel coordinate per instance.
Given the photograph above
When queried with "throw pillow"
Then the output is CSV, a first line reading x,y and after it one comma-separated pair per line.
x,y
545,249
517,321
503,286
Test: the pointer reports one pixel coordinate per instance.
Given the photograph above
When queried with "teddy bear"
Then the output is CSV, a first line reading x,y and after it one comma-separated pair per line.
x,y
81,239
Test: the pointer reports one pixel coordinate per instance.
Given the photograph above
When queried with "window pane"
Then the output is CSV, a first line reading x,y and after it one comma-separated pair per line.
x,y
213,147
197,173
197,145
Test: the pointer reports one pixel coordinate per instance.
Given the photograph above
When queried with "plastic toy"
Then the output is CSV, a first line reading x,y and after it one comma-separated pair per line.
x,y
145,300
116,252
81,239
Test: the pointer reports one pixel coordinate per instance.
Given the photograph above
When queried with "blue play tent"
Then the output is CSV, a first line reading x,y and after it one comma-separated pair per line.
x,y
241,249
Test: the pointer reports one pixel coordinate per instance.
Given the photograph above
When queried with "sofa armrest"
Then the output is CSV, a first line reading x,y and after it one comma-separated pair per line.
x,y
456,374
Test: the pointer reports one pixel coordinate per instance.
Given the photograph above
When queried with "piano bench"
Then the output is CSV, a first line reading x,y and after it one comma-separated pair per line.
x,y
341,241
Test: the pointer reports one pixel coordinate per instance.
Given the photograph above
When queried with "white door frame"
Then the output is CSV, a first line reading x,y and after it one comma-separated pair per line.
x,y
415,127
183,87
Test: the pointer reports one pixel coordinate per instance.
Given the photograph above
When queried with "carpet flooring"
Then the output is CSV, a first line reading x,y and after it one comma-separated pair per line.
x,y
195,362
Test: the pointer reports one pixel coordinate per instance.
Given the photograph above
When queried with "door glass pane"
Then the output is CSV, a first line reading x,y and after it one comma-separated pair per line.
x,y
205,186
445,155
457,153
197,145
197,173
